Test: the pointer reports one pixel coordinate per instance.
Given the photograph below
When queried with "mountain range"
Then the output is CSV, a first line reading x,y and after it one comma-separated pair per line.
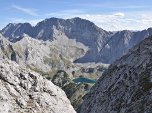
x,y
103,46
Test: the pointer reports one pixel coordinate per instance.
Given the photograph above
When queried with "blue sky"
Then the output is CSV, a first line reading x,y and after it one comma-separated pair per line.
x,y
107,14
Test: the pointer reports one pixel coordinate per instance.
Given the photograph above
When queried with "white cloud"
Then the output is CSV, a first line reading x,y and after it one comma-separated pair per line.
x,y
108,22
28,11
121,21
114,21
120,14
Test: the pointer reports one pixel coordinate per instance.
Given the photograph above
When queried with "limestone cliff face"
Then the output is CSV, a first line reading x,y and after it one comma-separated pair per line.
x,y
24,91
127,85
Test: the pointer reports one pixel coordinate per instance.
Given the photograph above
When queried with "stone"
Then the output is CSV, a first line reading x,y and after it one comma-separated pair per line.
x,y
18,94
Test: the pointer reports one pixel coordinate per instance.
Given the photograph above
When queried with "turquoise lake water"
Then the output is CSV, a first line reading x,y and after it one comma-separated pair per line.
x,y
84,80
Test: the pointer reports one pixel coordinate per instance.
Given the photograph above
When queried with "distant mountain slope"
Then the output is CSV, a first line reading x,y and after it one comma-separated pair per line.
x,y
103,46
120,43
127,85
39,55
47,57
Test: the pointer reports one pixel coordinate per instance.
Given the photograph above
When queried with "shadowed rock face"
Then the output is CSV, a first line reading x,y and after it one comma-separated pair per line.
x,y
127,85
23,91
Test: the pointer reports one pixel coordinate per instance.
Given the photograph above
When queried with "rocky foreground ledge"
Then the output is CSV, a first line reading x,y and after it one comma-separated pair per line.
x,y
24,91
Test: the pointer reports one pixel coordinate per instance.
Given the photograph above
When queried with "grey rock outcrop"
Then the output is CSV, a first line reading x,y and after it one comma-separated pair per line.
x,y
127,85
24,91
61,78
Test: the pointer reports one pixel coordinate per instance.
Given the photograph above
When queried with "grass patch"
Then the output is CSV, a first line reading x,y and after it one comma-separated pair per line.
x,y
48,75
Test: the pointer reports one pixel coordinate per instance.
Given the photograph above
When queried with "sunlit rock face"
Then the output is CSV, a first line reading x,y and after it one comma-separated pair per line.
x,y
24,91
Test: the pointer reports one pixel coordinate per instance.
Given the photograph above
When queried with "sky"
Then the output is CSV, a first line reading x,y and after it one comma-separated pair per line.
x,y
111,15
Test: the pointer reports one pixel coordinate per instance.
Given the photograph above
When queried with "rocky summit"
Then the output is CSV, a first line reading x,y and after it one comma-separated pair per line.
x,y
24,91
127,85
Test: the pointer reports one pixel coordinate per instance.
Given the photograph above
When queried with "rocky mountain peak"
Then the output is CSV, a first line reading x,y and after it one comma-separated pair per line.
x,y
49,22
44,30
81,21
14,31
150,30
